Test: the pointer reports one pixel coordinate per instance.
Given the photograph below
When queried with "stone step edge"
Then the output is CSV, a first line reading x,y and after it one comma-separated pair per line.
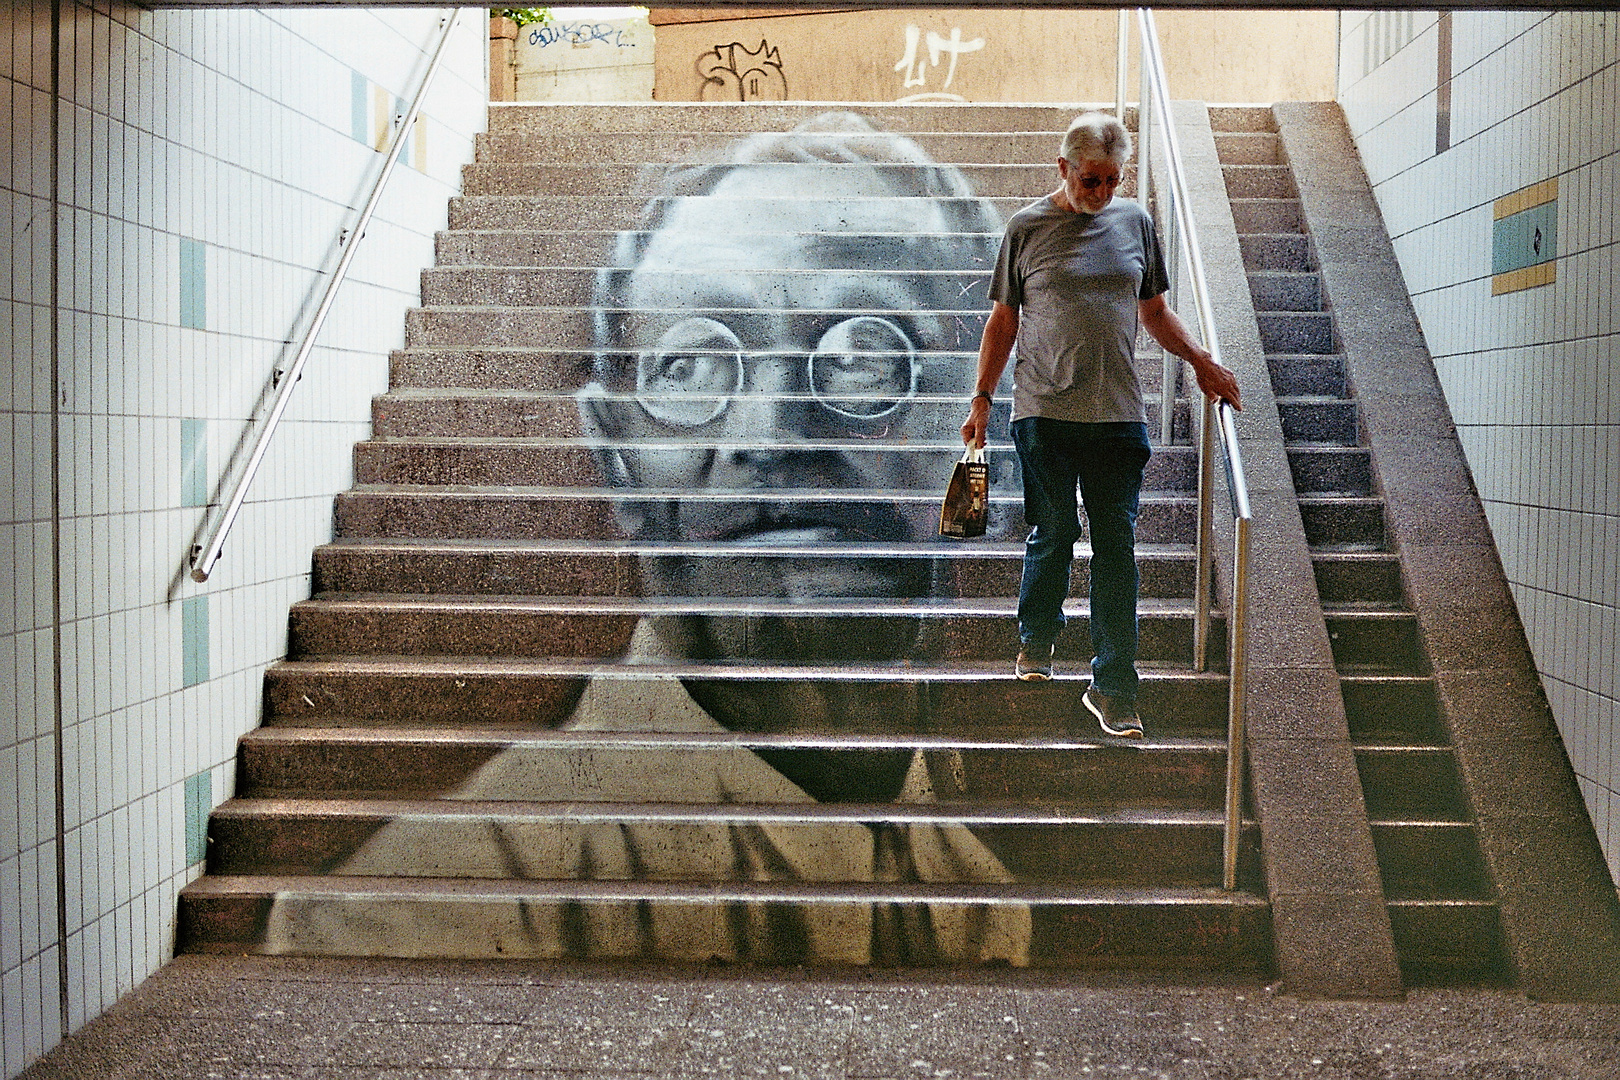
x,y
996,672
1168,496
318,887
576,811
576,739
985,607
873,549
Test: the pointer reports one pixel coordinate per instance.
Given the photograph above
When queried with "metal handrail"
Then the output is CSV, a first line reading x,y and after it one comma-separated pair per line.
x,y
204,555
1218,420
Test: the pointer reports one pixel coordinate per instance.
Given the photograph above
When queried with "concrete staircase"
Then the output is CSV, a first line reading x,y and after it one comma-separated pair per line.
x,y
598,665
1442,904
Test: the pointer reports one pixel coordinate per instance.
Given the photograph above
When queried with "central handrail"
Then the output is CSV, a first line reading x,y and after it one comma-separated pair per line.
x,y
206,554
1218,420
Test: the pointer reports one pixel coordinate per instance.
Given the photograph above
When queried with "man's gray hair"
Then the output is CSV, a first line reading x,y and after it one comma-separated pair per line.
x,y
1096,136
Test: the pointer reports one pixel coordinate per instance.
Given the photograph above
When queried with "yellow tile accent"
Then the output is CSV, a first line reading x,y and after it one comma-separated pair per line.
x,y
1525,198
382,105
419,146
1528,278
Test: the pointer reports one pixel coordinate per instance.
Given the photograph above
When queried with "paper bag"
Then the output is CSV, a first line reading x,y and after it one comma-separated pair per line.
x,y
967,497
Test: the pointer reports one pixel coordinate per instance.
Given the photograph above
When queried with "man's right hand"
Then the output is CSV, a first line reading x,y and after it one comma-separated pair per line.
x,y
977,425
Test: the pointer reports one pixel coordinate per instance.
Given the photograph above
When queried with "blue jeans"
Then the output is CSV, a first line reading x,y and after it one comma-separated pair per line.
x,y
1105,461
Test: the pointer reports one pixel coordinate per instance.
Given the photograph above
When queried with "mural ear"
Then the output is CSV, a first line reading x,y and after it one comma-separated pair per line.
x,y
600,430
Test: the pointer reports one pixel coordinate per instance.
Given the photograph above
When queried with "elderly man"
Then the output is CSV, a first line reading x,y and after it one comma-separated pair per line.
x,y
1078,272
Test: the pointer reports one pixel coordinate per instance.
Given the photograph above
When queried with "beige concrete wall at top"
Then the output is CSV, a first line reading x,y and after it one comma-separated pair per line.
x,y
989,55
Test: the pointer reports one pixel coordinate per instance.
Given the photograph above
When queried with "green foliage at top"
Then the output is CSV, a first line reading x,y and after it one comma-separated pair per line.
x,y
522,15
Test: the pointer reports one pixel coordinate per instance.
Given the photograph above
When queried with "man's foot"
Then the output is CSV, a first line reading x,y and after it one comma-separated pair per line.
x,y
1034,662
1117,715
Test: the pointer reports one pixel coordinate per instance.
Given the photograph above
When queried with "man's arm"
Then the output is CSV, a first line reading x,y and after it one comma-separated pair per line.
x,y
1168,330
1000,332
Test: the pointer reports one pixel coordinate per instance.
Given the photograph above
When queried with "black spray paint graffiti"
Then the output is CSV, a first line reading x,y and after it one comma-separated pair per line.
x,y
579,34
736,73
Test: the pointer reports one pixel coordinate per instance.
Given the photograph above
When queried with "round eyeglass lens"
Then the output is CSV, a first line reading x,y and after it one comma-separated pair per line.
x,y
864,368
690,376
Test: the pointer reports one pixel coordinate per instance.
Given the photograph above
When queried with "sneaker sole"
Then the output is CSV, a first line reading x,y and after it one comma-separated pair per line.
x,y
1102,721
1034,676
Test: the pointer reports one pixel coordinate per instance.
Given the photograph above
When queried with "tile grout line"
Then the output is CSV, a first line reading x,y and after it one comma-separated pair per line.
x,y
57,674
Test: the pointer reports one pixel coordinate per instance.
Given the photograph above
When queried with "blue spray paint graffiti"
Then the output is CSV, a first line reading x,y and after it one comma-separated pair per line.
x,y
579,34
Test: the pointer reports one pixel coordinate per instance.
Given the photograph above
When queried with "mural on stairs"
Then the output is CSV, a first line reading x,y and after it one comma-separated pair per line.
x,y
783,354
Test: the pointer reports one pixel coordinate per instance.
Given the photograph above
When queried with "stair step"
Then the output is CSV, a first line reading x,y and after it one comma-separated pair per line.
x,y
1225,119
481,286
565,462
1333,421
597,212
1273,290
414,412
547,841
1271,216
1286,252
859,630
1259,182
1392,709
1248,147
1071,926
1307,374
1297,332
474,327
956,700
989,180
1023,773
670,144
1449,942
1328,470
1431,860
615,569
554,247
760,116
1412,783
573,513
1343,523
1375,641
1344,578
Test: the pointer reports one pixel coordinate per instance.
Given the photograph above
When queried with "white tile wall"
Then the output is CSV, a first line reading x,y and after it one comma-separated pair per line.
x,y
1533,377
229,133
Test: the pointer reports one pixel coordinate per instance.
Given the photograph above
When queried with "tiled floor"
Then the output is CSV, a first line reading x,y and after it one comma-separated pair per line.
x,y
255,1019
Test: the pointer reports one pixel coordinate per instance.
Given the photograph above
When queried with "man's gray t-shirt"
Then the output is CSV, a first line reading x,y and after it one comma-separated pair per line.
x,y
1075,279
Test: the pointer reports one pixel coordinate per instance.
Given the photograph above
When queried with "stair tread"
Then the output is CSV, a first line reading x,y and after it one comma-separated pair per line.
x,y
960,671
681,605
576,739
955,813
865,549
316,886
574,494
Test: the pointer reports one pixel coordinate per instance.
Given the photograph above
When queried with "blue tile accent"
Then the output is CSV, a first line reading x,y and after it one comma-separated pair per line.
x,y
193,284
199,801
193,462
359,100
194,640
1527,238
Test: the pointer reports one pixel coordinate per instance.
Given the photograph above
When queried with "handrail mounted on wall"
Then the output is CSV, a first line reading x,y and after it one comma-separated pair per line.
x,y
203,556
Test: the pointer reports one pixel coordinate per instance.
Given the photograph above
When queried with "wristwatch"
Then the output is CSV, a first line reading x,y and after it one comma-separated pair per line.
x,y
984,394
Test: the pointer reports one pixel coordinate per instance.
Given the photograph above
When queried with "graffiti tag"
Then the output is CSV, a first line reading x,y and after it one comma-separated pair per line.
x,y
578,34
938,45
736,73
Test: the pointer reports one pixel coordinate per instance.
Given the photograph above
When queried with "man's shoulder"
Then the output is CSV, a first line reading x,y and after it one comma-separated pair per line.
x,y
1039,210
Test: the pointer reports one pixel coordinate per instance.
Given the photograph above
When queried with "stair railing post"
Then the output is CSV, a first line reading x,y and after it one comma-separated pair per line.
x,y
203,556
1204,546
1237,694
1122,64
